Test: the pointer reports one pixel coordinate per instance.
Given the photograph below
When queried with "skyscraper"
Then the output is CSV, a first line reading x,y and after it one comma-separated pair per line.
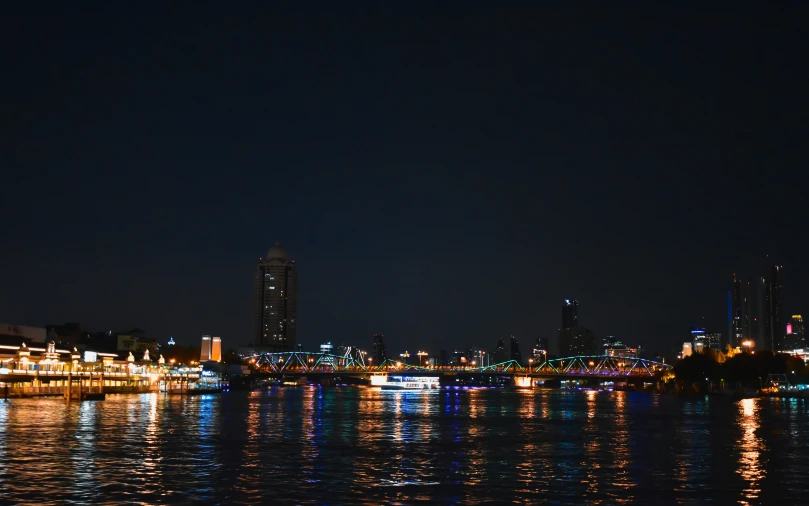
x,y
772,322
577,341
216,348
573,339
205,349
570,313
500,353
776,317
516,354
795,334
747,313
735,313
380,350
739,325
276,296
762,312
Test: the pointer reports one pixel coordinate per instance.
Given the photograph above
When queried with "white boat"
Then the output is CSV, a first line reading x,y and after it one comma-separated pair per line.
x,y
410,383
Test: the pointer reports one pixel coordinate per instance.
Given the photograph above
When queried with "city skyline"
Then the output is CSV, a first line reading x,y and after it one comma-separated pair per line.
x,y
450,178
277,263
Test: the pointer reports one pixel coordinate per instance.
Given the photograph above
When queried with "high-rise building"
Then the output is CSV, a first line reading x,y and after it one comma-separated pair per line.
x,y
205,349
500,353
216,348
776,317
772,319
570,313
747,314
795,338
276,295
740,319
735,309
380,352
540,351
516,354
574,341
762,316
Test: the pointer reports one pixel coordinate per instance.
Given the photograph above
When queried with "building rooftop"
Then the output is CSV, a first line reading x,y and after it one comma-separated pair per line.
x,y
277,252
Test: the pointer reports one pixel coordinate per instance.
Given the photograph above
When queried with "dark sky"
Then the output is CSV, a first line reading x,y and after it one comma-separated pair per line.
x,y
442,175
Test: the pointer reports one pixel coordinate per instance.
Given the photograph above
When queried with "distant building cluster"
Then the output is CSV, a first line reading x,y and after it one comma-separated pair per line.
x,y
756,316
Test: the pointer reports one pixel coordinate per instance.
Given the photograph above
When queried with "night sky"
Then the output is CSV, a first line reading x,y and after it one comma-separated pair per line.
x,y
442,175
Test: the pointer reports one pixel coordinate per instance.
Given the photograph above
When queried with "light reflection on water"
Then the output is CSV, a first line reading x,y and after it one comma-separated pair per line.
x,y
317,445
750,447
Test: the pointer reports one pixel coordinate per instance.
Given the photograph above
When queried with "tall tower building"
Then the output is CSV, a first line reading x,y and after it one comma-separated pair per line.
x,y
747,313
762,312
205,349
216,348
772,324
776,337
570,313
516,354
795,334
500,354
276,296
738,313
380,350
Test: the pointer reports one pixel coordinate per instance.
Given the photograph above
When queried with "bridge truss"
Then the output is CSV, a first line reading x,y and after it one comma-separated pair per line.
x,y
601,365
591,365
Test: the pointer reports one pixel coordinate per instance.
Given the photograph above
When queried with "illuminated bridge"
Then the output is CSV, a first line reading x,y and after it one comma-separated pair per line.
x,y
594,366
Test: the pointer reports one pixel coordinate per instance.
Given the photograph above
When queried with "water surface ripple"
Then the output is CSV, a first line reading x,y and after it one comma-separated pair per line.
x,y
314,445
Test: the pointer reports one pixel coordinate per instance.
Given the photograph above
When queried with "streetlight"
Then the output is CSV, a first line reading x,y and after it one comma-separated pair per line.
x,y
748,344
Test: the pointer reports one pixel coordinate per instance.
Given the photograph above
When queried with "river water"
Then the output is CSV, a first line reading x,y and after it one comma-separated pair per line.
x,y
313,445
